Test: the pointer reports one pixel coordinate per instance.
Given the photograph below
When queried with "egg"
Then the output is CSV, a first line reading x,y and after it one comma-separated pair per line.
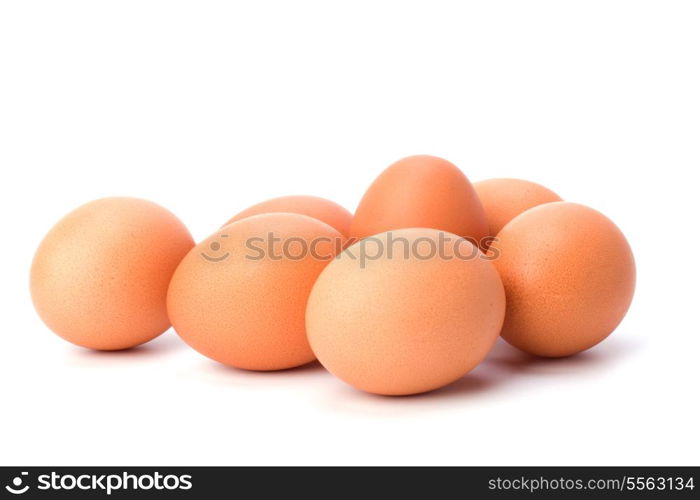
x,y
421,191
319,208
503,199
100,277
240,295
569,277
405,312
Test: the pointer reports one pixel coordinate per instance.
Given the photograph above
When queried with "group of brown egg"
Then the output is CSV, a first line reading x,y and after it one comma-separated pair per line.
x,y
405,296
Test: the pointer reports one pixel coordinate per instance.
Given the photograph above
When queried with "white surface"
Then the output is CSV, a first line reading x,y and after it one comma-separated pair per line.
x,y
208,107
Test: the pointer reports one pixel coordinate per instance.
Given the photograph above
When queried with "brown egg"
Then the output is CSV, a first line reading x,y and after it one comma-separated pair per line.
x,y
503,199
239,296
400,321
569,276
100,276
319,208
421,191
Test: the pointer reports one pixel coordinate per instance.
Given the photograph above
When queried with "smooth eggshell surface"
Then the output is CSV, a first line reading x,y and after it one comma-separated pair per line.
x,y
405,323
421,191
569,277
319,208
100,276
504,199
239,296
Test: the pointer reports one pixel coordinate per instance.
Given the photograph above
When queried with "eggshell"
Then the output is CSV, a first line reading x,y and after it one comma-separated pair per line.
x,y
239,298
319,208
99,278
405,323
503,199
421,191
569,276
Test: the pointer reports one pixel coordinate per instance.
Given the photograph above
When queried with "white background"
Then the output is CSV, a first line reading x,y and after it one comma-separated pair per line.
x,y
208,107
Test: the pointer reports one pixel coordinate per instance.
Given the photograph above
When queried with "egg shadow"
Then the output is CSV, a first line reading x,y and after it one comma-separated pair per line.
x,y
510,360
163,345
505,369
295,371
214,372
